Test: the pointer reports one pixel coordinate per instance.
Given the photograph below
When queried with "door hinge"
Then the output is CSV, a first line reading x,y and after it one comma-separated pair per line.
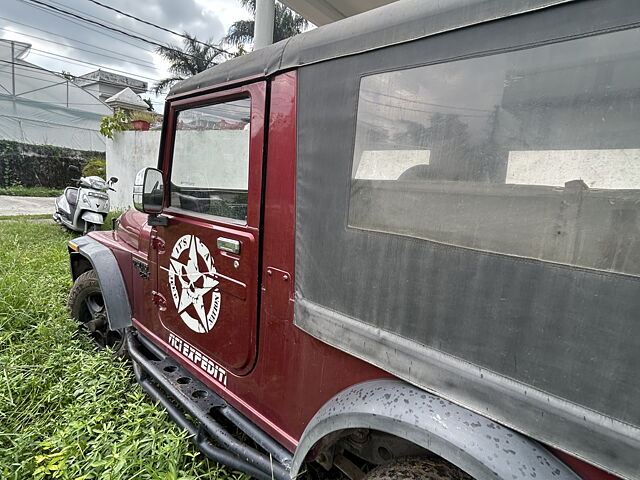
x,y
159,300
156,242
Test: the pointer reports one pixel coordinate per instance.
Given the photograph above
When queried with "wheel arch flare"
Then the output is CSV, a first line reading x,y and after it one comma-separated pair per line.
x,y
86,254
477,445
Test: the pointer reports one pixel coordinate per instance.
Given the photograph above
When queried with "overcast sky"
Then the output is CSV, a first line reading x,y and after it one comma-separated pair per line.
x,y
23,21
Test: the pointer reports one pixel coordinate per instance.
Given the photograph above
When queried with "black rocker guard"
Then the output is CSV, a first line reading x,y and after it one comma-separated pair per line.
x,y
180,394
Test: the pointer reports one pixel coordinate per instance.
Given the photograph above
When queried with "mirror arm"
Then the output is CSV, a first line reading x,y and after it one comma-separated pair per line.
x,y
156,220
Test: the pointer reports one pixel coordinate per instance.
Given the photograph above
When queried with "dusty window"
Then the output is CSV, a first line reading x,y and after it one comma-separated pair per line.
x,y
533,153
210,168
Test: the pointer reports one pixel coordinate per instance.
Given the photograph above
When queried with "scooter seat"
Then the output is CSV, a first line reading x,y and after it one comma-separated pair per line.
x,y
72,196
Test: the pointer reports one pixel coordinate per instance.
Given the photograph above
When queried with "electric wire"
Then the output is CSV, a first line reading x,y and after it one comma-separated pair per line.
x,y
148,65
95,17
87,27
81,62
103,25
44,70
86,89
153,24
73,39
91,91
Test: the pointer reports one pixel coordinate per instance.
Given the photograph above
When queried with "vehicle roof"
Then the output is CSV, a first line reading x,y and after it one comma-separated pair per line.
x,y
398,22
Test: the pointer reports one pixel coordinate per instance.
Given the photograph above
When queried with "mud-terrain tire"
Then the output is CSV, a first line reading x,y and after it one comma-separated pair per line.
x,y
86,306
417,468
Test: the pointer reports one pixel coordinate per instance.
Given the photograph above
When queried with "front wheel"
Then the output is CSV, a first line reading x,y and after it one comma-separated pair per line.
x,y
417,468
87,307
91,227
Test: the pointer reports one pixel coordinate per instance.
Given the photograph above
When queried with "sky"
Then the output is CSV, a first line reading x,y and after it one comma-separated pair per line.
x,y
54,35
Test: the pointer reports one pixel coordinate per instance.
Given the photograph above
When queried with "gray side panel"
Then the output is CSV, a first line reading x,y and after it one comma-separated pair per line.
x,y
399,22
480,447
551,350
112,284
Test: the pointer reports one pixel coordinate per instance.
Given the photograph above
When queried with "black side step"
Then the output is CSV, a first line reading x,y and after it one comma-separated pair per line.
x,y
167,382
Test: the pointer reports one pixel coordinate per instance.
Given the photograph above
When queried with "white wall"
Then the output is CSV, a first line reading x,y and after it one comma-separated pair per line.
x,y
214,158
127,153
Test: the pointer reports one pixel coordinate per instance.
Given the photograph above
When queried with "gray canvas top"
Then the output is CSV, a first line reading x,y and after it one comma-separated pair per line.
x,y
392,24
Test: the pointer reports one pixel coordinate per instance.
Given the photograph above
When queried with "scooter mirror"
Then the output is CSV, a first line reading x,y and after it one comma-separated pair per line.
x,y
73,169
113,180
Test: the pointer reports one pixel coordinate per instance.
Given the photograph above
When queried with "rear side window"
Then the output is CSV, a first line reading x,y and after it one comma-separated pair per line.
x,y
210,167
533,153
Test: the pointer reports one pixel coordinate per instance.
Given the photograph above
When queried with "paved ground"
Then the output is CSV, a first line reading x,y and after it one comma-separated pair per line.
x,y
25,205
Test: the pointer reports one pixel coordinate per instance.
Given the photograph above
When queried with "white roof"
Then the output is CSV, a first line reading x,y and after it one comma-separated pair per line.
x,y
127,98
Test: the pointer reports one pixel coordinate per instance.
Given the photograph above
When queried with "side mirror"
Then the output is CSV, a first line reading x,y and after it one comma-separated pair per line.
x,y
113,180
148,191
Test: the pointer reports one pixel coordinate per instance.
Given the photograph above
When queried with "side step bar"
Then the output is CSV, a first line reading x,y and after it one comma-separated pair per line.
x,y
179,393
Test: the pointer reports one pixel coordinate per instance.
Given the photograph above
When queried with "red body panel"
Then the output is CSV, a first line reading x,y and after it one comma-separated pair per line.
x,y
294,374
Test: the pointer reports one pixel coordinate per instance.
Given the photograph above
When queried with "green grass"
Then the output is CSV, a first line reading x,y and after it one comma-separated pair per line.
x,y
44,216
19,190
68,411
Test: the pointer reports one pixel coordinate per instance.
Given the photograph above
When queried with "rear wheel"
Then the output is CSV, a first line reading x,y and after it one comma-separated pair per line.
x,y
417,468
87,307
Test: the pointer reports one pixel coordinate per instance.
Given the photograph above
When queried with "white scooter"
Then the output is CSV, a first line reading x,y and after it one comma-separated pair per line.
x,y
84,208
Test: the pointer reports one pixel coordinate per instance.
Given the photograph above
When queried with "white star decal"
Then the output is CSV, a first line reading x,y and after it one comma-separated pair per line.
x,y
194,284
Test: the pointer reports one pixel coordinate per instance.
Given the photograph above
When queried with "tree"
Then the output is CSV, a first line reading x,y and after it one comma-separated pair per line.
x,y
150,103
193,57
287,24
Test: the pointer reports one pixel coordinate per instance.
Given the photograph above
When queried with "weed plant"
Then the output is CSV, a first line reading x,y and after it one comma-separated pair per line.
x,y
67,410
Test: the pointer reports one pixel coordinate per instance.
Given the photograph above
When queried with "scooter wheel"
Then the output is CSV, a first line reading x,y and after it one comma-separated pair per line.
x,y
91,227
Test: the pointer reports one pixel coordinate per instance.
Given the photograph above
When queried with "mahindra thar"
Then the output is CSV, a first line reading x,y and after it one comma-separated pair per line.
x,y
403,245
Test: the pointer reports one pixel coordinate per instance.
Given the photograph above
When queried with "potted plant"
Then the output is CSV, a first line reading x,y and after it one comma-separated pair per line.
x,y
141,120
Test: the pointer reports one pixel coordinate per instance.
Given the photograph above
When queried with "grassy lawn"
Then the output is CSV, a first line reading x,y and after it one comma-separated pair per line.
x,y
21,191
67,410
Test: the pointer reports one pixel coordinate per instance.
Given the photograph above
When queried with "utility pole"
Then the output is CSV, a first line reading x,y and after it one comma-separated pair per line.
x,y
263,31
13,69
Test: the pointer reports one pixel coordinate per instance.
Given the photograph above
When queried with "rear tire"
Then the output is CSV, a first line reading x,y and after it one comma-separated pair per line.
x,y
417,468
87,307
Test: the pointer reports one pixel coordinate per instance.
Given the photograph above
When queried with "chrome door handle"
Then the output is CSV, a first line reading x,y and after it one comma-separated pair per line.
x,y
228,245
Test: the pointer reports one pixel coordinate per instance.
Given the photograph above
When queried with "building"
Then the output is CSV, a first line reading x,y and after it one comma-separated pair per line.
x,y
127,101
106,84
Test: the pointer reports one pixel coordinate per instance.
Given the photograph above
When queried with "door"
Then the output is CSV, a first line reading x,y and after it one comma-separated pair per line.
x,y
208,254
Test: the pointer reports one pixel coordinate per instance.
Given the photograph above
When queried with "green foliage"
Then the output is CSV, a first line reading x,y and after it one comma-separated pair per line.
x,y
26,165
193,57
67,410
19,190
117,123
287,23
95,166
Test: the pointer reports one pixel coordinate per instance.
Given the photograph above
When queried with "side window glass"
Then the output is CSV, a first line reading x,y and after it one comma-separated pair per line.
x,y
210,166
533,153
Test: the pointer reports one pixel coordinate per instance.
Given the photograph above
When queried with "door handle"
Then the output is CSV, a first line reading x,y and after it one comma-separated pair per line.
x,y
228,245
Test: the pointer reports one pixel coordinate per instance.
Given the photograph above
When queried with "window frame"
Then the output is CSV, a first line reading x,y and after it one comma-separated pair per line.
x,y
256,93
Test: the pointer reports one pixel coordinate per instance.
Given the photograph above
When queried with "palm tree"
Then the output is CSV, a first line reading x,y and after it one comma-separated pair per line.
x,y
193,57
287,24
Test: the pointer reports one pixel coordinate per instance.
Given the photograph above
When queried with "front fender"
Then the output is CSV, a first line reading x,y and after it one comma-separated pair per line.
x,y
92,217
114,291
477,445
